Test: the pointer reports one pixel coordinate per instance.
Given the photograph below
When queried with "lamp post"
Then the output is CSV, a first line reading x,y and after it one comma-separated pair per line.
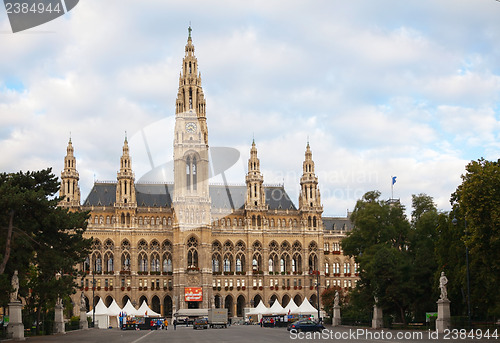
x,y
454,222
93,299
316,272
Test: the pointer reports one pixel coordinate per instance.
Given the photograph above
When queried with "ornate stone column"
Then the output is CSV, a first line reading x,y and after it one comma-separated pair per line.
x,y
15,329
59,317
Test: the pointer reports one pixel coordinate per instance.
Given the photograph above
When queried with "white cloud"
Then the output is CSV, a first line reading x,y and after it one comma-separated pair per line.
x,y
380,89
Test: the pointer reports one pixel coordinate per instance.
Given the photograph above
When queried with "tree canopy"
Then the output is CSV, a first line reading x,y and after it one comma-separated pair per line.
x,y
39,239
397,265
476,208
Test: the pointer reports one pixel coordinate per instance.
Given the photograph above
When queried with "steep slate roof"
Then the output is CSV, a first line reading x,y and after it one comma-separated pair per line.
x,y
160,195
337,224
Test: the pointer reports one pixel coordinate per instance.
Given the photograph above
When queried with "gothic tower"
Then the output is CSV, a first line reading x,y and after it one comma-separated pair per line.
x,y
310,198
191,200
125,189
70,192
256,196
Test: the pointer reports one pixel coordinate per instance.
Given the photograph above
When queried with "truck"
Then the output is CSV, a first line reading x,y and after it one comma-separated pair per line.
x,y
217,317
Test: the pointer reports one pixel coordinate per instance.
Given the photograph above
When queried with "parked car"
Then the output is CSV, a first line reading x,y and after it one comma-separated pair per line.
x,y
305,325
200,323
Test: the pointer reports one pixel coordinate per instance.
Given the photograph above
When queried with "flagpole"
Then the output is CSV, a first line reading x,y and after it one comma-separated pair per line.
x,y
392,187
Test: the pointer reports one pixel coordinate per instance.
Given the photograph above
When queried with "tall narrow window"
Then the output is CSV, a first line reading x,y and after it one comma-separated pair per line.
x,y
194,168
188,173
190,98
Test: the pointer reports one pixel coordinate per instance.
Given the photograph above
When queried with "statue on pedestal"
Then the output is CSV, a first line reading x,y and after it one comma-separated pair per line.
x,y
15,286
336,299
443,281
83,303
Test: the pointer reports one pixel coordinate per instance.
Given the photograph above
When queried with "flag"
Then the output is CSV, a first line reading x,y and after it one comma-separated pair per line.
x,y
394,179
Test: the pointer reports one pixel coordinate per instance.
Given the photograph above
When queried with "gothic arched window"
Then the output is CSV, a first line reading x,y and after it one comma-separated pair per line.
x,y
192,253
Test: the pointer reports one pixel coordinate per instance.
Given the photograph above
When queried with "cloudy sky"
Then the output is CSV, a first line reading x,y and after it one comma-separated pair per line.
x,y
379,88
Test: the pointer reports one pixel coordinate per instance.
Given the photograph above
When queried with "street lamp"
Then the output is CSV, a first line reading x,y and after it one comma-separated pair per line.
x,y
455,222
316,272
93,299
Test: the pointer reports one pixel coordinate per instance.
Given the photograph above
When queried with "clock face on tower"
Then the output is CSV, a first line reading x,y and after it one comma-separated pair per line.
x,y
191,127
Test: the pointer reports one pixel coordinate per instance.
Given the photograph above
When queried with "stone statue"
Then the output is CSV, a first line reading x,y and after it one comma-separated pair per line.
x,y
443,281
376,300
15,286
83,304
59,302
336,299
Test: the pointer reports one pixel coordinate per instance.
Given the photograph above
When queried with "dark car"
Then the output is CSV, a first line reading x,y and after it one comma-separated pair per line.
x,y
200,323
305,325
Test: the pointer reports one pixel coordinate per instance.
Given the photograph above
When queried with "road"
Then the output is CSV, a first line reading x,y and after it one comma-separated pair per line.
x,y
247,334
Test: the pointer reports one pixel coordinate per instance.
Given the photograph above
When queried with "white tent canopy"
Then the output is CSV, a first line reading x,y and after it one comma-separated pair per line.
x,y
305,308
129,309
100,308
144,310
290,307
259,309
114,309
101,315
276,308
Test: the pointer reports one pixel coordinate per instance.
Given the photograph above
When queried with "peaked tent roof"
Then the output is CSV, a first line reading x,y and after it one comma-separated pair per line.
x,y
114,309
291,307
129,309
305,308
276,308
100,308
144,310
261,308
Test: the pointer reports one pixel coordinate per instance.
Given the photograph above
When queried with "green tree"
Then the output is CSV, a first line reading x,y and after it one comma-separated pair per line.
x,y
476,204
397,258
41,240
424,233
379,242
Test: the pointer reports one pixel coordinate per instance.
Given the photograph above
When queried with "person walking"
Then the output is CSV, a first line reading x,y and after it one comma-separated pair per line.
x,y
175,324
166,324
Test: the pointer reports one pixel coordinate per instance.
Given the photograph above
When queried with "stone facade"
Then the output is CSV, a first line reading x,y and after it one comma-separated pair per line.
x,y
239,244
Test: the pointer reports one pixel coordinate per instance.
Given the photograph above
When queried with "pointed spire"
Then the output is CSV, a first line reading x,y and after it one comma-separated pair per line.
x,y
309,199
69,191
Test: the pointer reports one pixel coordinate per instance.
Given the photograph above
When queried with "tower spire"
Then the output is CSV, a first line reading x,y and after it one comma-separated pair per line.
x,y
70,191
256,196
190,95
310,198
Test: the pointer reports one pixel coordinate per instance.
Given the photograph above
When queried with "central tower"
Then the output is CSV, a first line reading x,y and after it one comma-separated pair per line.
x,y
191,200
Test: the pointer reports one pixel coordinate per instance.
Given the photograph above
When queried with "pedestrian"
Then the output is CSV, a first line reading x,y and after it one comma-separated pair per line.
x,y
175,324
166,324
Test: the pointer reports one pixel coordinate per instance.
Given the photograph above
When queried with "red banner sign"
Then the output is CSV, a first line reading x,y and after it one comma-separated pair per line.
x,y
193,294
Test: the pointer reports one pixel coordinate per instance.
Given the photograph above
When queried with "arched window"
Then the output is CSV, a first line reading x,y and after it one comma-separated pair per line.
x,y
327,268
216,263
167,262
240,262
271,268
188,173
97,262
313,262
125,261
195,170
155,262
192,253
108,262
257,262
143,262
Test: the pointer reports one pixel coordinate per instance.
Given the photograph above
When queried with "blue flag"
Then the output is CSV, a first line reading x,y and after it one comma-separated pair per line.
x,y
394,179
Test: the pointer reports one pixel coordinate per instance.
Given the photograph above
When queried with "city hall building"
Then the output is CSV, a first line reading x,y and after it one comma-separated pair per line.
x,y
192,244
